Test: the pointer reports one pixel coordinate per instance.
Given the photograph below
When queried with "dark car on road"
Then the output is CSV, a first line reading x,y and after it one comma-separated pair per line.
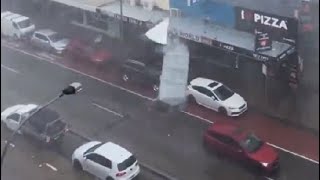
x,y
46,126
141,73
231,141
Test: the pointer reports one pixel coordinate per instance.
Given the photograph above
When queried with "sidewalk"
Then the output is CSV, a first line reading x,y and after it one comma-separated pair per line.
x,y
295,141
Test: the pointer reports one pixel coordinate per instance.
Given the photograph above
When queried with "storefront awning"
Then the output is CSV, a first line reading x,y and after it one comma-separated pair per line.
x,y
159,33
229,39
88,5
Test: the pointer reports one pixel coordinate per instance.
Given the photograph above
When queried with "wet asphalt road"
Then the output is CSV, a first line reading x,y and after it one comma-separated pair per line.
x,y
169,142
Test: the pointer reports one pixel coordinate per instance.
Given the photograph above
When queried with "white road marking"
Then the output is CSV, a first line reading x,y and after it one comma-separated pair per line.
x,y
140,95
199,117
9,69
268,178
109,110
52,167
79,72
45,55
293,153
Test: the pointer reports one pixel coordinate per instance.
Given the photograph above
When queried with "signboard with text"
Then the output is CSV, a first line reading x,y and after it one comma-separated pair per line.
x,y
262,42
281,28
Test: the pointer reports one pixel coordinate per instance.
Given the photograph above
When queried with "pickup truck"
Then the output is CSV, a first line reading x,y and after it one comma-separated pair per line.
x,y
45,126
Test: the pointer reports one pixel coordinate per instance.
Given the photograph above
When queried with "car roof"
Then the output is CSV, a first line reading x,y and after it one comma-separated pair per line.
x,y
6,13
228,129
12,16
205,82
113,152
20,18
26,108
47,32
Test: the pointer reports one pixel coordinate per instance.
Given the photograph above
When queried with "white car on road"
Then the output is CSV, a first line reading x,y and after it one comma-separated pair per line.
x,y
216,96
107,161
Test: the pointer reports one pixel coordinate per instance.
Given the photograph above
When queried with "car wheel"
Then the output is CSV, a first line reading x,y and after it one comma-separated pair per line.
x,y
109,178
155,88
77,166
223,111
192,99
125,77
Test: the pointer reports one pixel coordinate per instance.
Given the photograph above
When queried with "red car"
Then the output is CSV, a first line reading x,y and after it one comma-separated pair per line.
x,y
84,50
241,145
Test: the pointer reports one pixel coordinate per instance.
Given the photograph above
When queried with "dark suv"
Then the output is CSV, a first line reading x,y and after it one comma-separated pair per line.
x,y
139,72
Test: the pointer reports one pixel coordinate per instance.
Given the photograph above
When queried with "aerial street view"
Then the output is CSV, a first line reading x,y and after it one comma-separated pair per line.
x,y
160,89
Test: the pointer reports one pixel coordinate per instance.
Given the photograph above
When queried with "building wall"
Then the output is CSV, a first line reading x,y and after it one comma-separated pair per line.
x,y
219,13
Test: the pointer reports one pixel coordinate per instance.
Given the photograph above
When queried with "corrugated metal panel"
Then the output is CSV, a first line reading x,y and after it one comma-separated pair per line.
x,y
84,4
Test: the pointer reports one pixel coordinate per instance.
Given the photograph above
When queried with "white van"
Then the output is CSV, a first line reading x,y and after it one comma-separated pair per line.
x,y
15,25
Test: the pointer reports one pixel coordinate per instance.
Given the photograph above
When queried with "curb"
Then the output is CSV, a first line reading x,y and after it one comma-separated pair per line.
x,y
157,172
143,165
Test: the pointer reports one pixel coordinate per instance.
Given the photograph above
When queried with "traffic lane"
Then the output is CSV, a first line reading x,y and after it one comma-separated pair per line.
x,y
72,141
151,139
154,143
58,159
293,167
307,144
32,162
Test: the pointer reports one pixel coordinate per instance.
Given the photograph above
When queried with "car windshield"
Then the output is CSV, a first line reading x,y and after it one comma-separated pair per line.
x,y
24,24
127,163
55,37
251,143
93,148
223,92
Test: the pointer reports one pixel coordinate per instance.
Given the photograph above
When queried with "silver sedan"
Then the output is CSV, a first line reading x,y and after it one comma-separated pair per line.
x,y
49,40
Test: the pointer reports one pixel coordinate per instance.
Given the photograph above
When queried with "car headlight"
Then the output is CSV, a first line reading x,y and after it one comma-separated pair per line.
x,y
265,164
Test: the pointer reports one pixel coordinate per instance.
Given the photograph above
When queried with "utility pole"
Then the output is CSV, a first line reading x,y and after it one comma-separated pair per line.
x,y
121,20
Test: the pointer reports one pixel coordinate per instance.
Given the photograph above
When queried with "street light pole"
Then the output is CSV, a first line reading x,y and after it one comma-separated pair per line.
x,y
71,89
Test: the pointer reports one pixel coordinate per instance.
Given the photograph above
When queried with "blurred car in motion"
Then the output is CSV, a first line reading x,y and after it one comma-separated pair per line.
x,y
49,40
15,25
216,96
106,161
92,52
141,73
241,145
45,126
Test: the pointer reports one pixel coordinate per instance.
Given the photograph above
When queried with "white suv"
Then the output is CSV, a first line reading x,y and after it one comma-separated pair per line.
x,y
214,95
107,161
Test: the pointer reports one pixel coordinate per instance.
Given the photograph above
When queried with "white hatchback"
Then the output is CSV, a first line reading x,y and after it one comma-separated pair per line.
x,y
106,161
216,96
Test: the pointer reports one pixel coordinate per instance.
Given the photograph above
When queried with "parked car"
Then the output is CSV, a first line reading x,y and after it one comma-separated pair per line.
x,y
241,145
141,73
15,25
45,126
49,40
106,161
96,53
216,96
